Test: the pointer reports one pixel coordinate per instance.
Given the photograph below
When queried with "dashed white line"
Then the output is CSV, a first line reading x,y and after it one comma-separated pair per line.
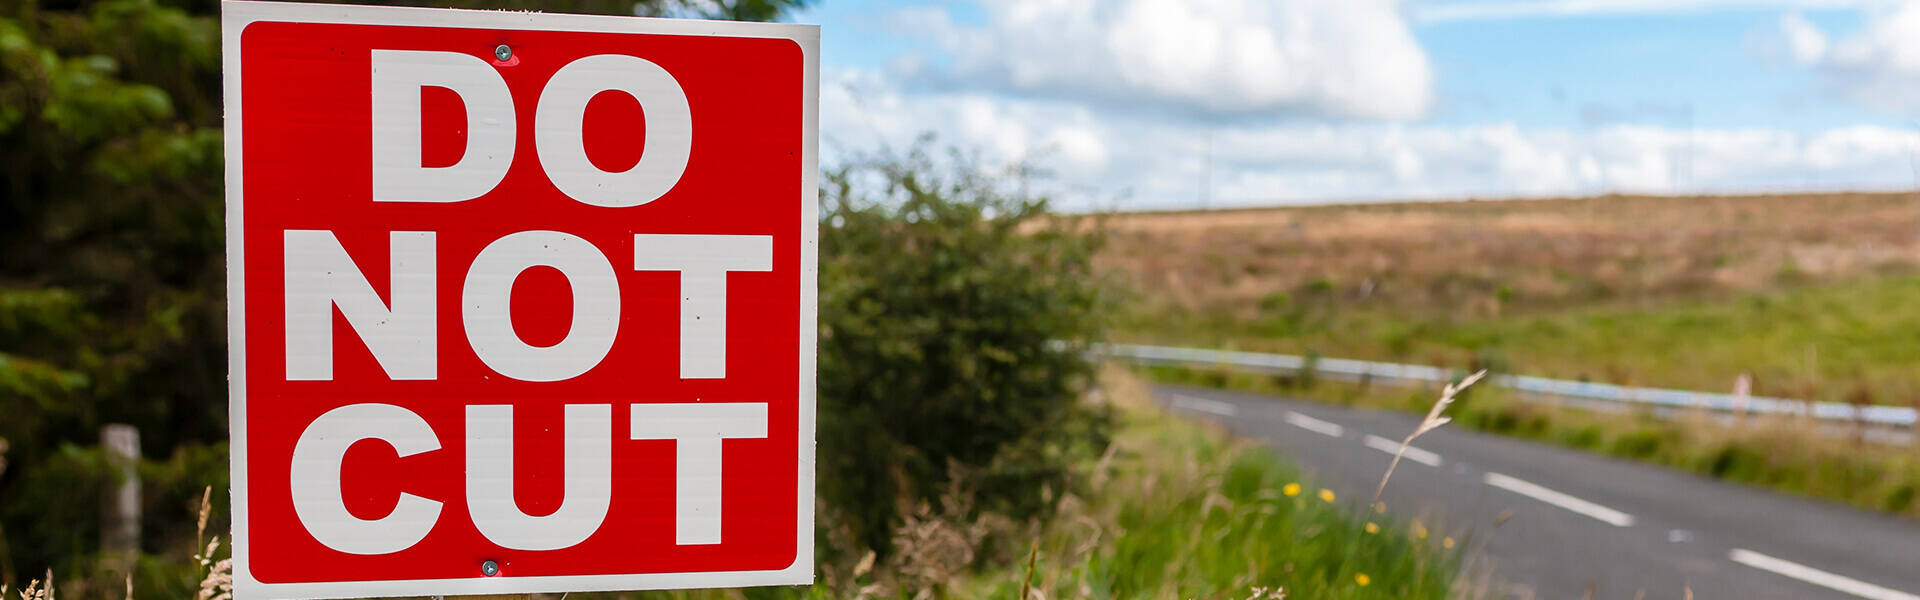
x,y
1817,577
1204,405
1530,490
1413,454
1315,425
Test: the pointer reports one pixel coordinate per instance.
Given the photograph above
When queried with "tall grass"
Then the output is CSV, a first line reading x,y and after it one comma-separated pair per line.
x,y
1180,511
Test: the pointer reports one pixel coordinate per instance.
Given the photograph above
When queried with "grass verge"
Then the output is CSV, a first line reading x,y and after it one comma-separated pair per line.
x,y
1180,511
1779,453
1172,510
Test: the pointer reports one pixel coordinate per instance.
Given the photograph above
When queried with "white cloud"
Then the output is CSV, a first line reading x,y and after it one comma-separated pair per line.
x,y
1877,66
1804,42
1127,159
1434,12
864,110
1342,58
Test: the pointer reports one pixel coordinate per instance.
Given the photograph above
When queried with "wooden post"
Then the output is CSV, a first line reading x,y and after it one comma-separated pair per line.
x,y
6,556
120,509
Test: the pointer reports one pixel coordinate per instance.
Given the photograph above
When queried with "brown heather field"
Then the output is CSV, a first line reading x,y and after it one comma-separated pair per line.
x,y
1810,293
1489,258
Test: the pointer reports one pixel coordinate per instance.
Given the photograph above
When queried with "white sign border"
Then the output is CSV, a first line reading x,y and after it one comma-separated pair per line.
x,y
235,16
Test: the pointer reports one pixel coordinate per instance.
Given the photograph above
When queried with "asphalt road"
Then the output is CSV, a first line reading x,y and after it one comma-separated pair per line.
x,y
1581,521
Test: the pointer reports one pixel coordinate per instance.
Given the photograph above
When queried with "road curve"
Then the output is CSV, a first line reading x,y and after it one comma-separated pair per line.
x,y
1581,521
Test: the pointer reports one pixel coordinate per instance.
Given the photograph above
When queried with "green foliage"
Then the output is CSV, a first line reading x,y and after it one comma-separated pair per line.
x,y
110,257
109,227
953,318
54,514
1275,302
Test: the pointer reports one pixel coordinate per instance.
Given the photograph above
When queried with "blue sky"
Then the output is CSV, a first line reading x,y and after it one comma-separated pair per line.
x,y
1139,104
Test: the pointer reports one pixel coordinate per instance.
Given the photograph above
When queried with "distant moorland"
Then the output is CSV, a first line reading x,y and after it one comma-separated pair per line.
x,y
1813,295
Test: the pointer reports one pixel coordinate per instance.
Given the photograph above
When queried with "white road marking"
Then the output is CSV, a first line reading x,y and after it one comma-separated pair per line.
x,y
1817,577
1413,454
1315,425
1204,405
1530,490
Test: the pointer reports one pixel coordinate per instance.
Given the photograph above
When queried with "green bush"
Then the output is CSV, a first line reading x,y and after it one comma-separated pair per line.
x,y
1898,497
1734,461
1641,443
1586,438
954,315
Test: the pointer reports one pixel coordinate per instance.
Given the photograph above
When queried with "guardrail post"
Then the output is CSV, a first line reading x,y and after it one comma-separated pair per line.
x,y
1742,396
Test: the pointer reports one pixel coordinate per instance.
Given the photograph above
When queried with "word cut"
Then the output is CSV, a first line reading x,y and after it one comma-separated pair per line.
x,y
696,430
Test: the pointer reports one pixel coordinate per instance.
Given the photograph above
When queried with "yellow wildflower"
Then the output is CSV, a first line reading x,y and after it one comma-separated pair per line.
x,y
1372,528
1326,494
1362,579
1291,489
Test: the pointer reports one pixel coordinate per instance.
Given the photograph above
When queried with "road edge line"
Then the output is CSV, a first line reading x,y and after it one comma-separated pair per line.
x,y
1414,454
1562,500
1806,574
1326,428
1216,407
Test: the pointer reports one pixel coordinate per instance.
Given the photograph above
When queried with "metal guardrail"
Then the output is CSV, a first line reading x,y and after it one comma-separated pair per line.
x,y
1894,416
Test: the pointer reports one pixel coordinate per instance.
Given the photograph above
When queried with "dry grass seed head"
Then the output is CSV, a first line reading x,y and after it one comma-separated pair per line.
x,y
206,510
38,589
865,566
218,584
1432,421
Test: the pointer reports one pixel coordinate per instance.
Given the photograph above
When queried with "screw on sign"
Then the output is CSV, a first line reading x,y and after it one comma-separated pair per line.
x,y
519,302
